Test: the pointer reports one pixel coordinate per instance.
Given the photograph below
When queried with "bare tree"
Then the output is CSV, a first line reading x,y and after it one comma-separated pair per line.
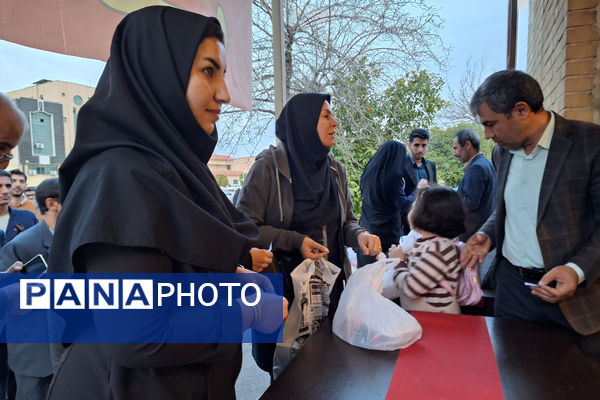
x,y
327,42
458,110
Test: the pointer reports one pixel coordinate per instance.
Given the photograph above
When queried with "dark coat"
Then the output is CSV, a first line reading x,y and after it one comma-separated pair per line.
x,y
411,184
568,220
18,222
477,190
267,198
31,359
411,178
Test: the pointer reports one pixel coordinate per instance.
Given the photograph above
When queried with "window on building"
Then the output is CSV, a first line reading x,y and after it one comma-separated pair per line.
x,y
65,119
37,169
62,94
229,168
42,133
77,100
74,121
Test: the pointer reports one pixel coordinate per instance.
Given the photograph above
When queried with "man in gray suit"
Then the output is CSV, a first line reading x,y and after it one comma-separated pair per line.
x,y
546,226
31,362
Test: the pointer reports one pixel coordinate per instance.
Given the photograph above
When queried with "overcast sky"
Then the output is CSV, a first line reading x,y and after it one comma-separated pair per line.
x,y
475,30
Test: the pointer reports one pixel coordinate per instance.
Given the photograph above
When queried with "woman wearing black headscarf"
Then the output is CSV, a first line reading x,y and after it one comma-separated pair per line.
x,y
297,194
138,196
383,197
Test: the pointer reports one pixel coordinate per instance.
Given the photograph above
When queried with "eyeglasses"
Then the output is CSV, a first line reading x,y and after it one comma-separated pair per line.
x,y
6,157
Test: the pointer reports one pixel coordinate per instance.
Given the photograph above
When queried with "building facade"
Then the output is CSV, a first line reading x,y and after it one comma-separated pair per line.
x,y
51,108
234,169
563,55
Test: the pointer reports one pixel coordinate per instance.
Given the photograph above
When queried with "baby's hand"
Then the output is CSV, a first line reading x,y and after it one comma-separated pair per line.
x,y
423,183
396,252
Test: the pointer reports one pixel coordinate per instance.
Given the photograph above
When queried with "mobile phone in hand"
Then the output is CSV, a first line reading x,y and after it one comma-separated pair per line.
x,y
36,265
531,284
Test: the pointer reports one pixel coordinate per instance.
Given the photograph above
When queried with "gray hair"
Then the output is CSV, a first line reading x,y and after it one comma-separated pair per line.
x,y
467,134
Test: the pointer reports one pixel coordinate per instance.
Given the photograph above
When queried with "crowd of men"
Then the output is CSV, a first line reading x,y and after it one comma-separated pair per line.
x,y
540,208
27,219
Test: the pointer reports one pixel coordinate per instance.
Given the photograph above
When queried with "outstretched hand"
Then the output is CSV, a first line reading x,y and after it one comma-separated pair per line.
x,y
262,281
396,252
260,259
475,250
369,243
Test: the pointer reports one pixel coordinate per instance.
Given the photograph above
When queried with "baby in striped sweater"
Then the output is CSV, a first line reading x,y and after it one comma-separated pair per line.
x,y
438,216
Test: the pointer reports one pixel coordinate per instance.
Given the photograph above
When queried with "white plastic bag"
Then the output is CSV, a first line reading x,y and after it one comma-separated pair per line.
x,y
365,318
313,281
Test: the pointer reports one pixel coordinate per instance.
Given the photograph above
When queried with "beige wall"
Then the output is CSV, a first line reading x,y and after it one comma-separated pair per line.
x,y
63,93
562,54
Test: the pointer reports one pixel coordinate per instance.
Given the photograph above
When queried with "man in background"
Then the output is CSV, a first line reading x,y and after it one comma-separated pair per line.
x,y
30,193
477,188
12,126
32,362
19,185
417,168
12,221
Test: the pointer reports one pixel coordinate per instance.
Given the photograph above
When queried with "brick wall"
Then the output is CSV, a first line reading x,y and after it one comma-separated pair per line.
x,y
562,54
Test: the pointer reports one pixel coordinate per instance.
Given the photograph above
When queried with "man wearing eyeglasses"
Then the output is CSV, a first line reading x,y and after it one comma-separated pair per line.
x,y
12,126
32,362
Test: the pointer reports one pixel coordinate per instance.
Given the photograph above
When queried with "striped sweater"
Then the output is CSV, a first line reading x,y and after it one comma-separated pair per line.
x,y
430,261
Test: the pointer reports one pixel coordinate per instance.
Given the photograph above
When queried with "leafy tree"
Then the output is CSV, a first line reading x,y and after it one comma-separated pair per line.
x,y
327,41
370,118
222,180
449,169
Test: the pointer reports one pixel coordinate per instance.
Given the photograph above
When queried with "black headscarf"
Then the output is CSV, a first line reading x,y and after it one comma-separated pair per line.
x,y
316,201
137,175
379,185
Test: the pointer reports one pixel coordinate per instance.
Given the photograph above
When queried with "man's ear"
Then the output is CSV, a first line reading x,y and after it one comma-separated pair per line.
x,y
521,109
50,203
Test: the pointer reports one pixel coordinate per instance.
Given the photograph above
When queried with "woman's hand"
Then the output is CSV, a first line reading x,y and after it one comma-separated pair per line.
x,y
260,259
312,250
369,243
397,252
252,277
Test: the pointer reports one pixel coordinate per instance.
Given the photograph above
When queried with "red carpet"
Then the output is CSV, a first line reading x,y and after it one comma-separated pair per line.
x,y
453,360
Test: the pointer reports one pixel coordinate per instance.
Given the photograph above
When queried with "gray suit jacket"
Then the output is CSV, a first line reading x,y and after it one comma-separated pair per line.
x,y
31,359
568,220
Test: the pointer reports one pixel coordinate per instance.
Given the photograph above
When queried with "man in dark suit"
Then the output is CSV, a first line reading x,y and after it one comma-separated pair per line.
x,y
12,220
417,168
32,362
477,188
546,226
12,126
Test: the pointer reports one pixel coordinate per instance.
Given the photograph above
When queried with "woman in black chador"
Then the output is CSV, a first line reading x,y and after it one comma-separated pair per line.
x,y
297,194
138,196
383,197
